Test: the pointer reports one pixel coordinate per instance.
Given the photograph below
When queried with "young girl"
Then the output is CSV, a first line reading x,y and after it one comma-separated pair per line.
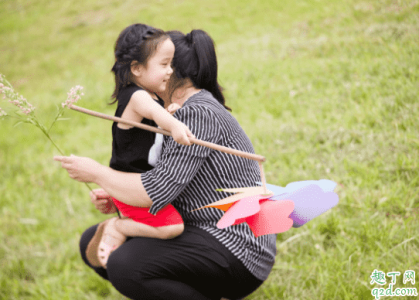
x,y
142,68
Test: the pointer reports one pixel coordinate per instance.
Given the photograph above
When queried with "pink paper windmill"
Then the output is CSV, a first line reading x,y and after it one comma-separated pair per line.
x,y
252,205
266,212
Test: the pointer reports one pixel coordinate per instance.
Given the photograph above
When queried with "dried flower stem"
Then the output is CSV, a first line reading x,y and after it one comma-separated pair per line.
x,y
29,110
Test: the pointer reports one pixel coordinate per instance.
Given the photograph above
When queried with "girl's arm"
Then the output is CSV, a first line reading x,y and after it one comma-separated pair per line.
x,y
142,103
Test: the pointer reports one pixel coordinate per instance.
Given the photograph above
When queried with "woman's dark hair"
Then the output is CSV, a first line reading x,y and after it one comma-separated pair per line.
x,y
137,42
195,59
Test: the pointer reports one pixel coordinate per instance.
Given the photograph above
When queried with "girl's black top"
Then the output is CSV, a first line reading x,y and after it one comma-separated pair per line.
x,y
130,147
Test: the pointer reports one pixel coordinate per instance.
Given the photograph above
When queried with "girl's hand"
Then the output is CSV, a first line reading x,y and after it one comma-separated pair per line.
x,y
181,133
82,169
102,201
172,108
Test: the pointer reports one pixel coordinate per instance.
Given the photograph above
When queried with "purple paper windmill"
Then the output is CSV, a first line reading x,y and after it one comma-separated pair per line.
x,y
311,198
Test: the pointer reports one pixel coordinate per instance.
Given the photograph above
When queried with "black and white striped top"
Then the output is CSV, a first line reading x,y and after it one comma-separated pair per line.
x,y
188,176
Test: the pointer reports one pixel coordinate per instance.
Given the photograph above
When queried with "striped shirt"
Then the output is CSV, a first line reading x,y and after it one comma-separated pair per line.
x,y
188,176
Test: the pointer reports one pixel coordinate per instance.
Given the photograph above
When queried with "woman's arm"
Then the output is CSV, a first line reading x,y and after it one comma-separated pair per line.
x,y
126,187
176,168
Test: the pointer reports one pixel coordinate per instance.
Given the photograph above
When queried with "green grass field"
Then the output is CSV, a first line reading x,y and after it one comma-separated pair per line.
x,y
324,89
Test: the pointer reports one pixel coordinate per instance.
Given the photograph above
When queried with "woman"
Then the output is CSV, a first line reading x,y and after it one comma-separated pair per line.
x,y
204,262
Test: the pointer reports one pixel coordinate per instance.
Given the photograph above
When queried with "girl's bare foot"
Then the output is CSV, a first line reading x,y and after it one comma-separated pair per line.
x,y
110,241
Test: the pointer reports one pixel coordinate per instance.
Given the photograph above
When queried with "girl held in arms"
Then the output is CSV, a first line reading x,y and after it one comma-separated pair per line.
x,y
143,57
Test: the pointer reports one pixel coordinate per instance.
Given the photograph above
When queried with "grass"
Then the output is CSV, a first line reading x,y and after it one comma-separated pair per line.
x,y
324,89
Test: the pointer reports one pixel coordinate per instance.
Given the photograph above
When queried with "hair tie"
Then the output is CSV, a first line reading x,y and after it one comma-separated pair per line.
x,y
121,63
188,38
148,33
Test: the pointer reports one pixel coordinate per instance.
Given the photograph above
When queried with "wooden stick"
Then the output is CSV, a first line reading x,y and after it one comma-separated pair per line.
x,y
252,156
262,177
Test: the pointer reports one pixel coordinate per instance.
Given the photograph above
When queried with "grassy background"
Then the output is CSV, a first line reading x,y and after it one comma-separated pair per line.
x,y
324,89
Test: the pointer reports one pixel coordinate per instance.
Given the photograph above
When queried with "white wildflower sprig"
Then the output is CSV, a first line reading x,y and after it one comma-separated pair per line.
x,y
73,96
28,109
24,107
14,98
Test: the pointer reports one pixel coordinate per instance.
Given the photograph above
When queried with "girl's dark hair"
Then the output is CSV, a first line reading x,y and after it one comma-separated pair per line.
x,y
137,42
195,59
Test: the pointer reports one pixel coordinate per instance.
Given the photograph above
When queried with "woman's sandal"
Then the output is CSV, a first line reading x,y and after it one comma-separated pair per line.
x,y
102,245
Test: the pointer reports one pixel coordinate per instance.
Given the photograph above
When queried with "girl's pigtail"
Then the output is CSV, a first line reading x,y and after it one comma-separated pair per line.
x,y
122,78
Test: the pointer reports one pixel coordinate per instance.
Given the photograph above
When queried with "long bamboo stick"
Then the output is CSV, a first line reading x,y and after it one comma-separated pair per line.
x,y
252,156
262,177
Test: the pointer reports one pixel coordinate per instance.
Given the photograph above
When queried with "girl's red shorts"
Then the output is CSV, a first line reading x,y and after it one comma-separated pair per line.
x,y
168,215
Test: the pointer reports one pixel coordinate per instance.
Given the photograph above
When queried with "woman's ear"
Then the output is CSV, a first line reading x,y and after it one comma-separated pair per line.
x,y
136,68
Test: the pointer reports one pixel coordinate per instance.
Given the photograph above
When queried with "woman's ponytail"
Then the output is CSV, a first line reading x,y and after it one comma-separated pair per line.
x,y
195,59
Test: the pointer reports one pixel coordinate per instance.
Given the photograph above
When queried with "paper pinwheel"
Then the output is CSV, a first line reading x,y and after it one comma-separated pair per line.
x,y
311,198
252,206
277,211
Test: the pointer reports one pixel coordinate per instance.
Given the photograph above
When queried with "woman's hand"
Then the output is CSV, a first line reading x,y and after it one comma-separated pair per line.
x,y
102,201
82,169
124,186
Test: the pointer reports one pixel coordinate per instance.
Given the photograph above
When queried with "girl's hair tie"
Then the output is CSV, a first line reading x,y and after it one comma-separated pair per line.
x,y
149,33
121,63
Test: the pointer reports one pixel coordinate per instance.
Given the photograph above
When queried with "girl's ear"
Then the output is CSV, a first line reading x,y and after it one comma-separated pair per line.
x,y
136,68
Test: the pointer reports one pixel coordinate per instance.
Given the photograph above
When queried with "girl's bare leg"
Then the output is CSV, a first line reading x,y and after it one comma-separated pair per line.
x,y
117,230
129,227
